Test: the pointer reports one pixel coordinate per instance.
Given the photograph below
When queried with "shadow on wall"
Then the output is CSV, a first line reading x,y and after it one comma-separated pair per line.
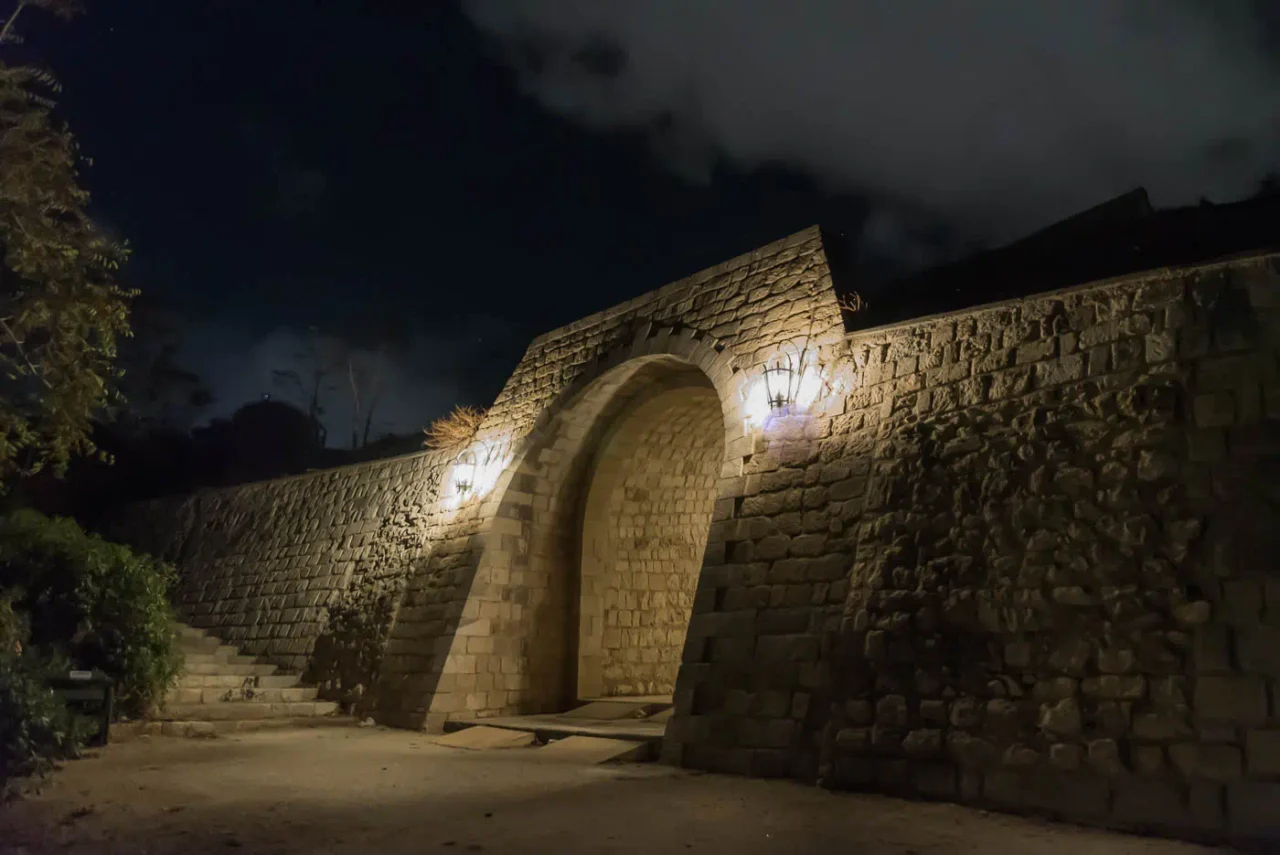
x,y
1031,621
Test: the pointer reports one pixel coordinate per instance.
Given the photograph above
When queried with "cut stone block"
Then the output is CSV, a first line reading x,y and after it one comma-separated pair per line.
x,y
481,738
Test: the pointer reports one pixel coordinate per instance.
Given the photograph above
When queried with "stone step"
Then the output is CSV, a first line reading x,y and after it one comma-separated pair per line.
x,y
241,695
234,710
224,654
204,644
219,652
190,632
227,669
126,730
232,681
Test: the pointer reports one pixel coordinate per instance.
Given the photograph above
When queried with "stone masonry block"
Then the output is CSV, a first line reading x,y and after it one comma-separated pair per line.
x,y
1251,809
1262,753
1240,700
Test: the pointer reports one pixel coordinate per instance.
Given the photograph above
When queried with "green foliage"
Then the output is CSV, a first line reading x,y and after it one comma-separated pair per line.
x,y
99,603
61,311
36,730
348,654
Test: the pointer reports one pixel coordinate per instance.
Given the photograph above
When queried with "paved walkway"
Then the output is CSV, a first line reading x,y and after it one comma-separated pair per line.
x,y
391,792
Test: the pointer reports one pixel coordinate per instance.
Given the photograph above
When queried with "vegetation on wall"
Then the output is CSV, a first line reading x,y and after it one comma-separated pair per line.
x,y
457,428
348,654
61,310
98,604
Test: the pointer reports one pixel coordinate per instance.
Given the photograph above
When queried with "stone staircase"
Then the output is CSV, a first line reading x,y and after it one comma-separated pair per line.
x,y
221,691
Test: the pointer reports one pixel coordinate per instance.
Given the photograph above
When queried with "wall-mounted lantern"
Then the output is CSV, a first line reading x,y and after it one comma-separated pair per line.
x,y
464,473
782,377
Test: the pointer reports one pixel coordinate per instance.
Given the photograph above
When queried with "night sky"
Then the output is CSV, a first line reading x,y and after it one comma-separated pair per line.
x,y
446,181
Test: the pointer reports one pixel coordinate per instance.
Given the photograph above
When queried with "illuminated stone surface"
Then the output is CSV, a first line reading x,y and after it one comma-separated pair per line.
x,y
1021,555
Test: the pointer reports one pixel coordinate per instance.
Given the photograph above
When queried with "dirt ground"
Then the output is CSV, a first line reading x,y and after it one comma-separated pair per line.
x,y
389,792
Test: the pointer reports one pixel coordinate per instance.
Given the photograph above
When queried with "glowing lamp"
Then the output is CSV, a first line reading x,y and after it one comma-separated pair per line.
x,y
464,473
782,375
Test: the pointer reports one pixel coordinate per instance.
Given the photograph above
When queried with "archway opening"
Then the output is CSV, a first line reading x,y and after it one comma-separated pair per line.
x,y
645,515
586,587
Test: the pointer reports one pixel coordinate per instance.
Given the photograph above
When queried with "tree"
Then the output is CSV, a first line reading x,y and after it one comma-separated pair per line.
x,y
365,378
270,438
61,309
161,392
329,368
320,362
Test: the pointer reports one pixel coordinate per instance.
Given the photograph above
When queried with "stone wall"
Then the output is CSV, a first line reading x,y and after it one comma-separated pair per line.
x,y
487,626
260,562
1026,566
1019,555
647,514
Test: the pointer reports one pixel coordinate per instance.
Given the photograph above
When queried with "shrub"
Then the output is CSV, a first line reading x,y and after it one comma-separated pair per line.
x,y
348,654
98,603
457,428
36,729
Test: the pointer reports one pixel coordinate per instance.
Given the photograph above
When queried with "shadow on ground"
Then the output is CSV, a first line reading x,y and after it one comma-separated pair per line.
x,y
391,792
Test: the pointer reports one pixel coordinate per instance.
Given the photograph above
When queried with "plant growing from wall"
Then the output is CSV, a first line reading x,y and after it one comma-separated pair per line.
x,y
348,653
457,428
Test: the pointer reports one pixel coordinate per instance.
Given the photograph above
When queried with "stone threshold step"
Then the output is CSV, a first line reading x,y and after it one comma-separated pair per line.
x,y
126,730
240,695
224,654
234,710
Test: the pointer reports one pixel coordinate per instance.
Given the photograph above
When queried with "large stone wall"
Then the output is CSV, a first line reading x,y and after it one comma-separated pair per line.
x,y
1026,566
646,519
1018,555
261,562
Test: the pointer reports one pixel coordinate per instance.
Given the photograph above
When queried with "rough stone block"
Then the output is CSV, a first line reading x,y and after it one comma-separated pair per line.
x,y
934,780
1206,805
1211,649
1147,759
1065,369
1234,699
923,744
1251,809
1163,725
1222,763
1259,650
891,711
1216,409
1262,752
1103,756
1151,805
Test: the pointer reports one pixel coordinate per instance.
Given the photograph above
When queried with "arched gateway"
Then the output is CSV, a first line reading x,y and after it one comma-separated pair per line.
x,y
589,570
1013,554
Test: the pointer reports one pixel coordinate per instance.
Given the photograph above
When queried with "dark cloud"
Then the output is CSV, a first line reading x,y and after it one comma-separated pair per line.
x,y
995,116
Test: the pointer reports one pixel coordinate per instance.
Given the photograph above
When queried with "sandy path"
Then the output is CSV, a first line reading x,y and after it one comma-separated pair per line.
x,y
389,792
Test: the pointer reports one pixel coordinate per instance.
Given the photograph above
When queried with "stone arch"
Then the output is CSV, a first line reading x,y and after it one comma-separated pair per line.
x,y
645,515
533,633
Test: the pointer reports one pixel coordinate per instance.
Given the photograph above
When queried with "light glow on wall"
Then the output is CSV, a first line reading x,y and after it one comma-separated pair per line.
x,y
805,391
475,472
